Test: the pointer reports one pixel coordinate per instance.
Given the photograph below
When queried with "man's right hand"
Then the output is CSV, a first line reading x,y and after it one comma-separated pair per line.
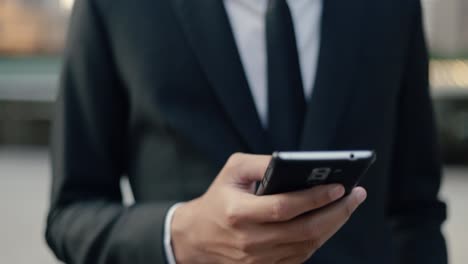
x,y
230,224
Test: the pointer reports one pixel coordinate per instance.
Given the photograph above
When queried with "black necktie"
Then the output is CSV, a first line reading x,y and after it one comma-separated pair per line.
x,y
286,102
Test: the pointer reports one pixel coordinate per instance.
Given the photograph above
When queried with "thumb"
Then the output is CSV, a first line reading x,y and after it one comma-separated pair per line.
x,y
244,170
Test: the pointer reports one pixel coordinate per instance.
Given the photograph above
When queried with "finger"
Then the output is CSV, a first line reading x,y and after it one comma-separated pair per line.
x,y
244,169
286,206
294,260
344,212
270,253
295,252
317,226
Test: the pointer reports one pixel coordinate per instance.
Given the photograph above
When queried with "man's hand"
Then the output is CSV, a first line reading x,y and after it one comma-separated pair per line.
x,y
229,224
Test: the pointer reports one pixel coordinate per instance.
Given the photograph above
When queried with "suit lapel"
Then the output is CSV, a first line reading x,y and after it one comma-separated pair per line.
x,y
209,33
207,28
336,71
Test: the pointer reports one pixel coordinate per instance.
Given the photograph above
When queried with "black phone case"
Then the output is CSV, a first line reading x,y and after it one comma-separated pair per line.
x,y
292,175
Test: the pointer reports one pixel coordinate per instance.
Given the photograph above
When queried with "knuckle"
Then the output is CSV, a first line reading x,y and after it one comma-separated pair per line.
x,y
278,210
245,244
318,201
250,260
258,260
235,158
234,163
313,244
326,196
233,216
240,256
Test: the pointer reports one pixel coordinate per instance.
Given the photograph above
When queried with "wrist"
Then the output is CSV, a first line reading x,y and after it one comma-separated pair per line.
x,y
182,228
170,258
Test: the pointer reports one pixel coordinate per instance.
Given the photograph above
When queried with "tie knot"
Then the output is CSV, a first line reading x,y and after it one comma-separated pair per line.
x,y
277,5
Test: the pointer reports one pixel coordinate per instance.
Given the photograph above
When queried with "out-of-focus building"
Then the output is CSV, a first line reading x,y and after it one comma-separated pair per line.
x,y
38,26
447,27
32,26
447,32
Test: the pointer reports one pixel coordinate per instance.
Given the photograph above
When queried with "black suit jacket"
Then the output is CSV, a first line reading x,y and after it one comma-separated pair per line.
x,y
155,90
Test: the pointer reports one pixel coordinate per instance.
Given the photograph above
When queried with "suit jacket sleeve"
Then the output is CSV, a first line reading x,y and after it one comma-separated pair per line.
x,y
87,222
414,208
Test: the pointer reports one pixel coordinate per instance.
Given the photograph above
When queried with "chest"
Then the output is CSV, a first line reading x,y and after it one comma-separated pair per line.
x,y
183,59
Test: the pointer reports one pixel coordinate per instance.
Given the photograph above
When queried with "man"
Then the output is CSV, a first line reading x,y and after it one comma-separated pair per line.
x,y
166,91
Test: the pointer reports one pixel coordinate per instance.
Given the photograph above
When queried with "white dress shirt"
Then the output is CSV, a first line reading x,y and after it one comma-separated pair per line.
x,y
247,18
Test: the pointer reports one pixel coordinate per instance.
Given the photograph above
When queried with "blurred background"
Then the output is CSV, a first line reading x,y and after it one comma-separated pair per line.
x,y
32,34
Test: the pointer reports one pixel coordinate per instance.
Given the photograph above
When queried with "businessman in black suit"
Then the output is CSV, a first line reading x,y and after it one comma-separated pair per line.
x,y
166,91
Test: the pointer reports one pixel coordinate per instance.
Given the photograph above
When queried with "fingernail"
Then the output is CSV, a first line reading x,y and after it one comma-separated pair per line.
x,y
336,192
361,195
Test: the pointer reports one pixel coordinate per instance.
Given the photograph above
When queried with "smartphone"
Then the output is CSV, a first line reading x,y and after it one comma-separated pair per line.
x,y
293,171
